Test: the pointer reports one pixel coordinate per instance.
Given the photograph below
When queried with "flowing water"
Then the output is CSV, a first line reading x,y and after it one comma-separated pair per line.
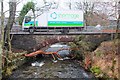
x,y
46,68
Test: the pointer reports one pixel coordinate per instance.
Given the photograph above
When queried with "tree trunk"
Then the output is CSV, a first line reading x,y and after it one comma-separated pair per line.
x,y
2,40
117,29
8,27
118,21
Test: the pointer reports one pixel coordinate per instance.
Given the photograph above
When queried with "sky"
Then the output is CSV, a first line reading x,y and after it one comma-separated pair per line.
x,y
40,3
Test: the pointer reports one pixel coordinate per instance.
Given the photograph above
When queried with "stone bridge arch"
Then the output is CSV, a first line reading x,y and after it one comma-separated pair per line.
x,y
52,40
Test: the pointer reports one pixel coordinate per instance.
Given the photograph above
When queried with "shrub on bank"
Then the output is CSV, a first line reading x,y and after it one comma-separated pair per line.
x,y
13,61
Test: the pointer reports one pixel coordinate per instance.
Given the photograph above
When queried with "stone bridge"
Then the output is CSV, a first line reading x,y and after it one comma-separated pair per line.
x,y
52,40
36,42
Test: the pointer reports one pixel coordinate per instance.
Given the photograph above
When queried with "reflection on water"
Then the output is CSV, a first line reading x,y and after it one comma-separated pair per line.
x,y
58,46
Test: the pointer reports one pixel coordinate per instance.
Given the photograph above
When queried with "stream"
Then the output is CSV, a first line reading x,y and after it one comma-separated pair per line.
x,y
47,68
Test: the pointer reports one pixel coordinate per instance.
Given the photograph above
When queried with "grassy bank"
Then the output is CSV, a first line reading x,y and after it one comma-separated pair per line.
x,y
101,52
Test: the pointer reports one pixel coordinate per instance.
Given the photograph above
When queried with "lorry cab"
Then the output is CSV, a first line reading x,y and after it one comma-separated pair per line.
x,y
29,22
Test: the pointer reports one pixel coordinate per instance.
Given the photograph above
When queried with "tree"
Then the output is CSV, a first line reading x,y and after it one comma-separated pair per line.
x,y
118,20
24,11
8,27
98,12
87,8
1,41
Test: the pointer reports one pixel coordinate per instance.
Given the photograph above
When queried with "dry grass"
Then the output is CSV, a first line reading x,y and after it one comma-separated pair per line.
x,y
106,57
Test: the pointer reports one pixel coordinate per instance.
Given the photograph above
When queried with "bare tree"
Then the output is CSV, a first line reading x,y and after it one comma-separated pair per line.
x,y
7,39
1,41
118,20
88,9
8,27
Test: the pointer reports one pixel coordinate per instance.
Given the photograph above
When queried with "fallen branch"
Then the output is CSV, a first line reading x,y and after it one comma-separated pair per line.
x,y
33,54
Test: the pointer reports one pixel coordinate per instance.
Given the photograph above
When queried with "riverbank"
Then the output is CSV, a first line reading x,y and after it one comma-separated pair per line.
x,y
60,69
100,55
45,67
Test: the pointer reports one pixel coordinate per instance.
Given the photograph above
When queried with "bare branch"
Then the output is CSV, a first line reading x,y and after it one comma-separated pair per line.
x,y
6,11
19,2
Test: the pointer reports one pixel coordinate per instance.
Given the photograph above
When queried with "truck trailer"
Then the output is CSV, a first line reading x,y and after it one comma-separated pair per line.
x,y
62,21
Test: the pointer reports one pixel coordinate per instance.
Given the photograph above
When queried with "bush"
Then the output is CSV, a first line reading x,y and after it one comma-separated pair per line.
x,y
76,53
86,46
79,38
96,70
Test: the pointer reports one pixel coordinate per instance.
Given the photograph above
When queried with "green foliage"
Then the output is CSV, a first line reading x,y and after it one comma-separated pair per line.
x,y
99,74
13,61
24,11
72,45
77,53
83,44
96,70
8,71
86,46
79,38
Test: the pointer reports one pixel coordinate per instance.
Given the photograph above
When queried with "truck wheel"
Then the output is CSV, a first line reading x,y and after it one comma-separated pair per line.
x,y
31,30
